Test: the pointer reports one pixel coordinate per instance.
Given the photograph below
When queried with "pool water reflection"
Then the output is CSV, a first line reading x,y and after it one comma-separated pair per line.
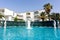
x,y
37,33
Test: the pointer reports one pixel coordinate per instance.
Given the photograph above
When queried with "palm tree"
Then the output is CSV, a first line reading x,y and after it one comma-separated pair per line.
x,y
42,16
47,8
1,15
59,16
15,19
55,16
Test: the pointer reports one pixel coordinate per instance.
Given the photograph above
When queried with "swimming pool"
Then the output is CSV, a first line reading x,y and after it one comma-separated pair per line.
x,y
36,33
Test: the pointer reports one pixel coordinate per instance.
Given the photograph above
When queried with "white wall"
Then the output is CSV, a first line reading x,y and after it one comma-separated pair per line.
x,y
14,14
32,16
8,12
10,18
11,14
24,16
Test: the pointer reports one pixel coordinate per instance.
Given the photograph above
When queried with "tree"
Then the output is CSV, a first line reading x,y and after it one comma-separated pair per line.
x,y
47,8
1,15
53,16
16,19
57,16
42,16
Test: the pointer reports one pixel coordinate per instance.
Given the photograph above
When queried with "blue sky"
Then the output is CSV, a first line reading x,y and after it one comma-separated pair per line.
x,y
29,5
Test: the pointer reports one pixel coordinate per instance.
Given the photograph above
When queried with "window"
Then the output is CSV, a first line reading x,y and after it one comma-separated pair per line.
x,y
27,13
36,12
28,17
20,15
1,10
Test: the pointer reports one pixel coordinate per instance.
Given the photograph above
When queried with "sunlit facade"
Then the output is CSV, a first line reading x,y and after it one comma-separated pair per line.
x,y
10,15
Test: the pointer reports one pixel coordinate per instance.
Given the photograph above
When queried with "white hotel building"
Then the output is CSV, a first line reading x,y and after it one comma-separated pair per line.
x,y
9,15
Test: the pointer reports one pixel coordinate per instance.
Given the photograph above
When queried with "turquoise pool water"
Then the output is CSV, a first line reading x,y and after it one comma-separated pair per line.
x,y
36,33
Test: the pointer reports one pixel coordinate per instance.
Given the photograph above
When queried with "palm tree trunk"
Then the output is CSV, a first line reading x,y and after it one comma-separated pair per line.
x,y
42,19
